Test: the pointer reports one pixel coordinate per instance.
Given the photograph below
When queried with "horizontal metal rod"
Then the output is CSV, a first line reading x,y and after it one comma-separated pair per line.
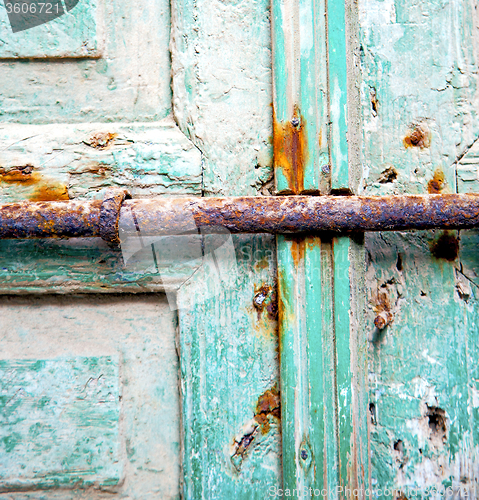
x,y
269,214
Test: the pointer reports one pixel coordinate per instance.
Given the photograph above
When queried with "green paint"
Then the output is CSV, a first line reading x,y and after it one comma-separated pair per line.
x,y
62,411
228,359
300,85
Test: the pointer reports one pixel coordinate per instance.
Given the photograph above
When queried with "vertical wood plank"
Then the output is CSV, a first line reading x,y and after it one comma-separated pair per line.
x,y
338,98
229,376
323,364
299,96
351,365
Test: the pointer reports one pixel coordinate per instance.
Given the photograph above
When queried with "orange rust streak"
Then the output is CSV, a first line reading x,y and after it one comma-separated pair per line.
x,y
298,246
268,404
436,184
290,151
44,189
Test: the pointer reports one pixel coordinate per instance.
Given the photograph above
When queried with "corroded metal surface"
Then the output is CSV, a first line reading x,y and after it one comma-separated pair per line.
x,y
110,215
50,219
306,214
276,215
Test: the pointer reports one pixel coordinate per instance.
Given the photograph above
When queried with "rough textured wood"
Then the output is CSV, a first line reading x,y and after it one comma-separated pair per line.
x,y
44,162
131,81
60,423
229,375
419,95
300,96
140,385
74,34
323,365
221,66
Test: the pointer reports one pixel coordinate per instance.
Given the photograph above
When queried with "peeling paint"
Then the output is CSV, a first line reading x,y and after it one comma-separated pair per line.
x,y
268,407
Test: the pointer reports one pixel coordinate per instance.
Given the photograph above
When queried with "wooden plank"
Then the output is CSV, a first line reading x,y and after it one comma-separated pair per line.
x,y
131,82
57,430
338,95
300,106
221,69
307,366
229,375
107,371
323,368
423,367
45,162
420,133
350,343
229,368
76,33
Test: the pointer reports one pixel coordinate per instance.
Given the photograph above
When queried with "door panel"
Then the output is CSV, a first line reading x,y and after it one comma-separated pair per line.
x,y
89,397
222,94
130,81
419,103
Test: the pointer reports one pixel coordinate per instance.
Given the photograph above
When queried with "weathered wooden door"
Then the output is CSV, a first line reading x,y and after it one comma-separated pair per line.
x,y
163,101
161,374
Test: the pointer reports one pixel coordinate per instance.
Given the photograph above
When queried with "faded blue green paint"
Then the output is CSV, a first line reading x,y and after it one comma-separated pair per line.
x,y
351,363
74,34
300,90
323,363
401,92
221,79
59,423
229,362
426,360
338,94
72,339
420,128
307,361
112,64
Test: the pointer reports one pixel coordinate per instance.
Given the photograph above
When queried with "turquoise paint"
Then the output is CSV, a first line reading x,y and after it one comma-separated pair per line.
x,y
300,86
228,359
74,34
338,96
63,411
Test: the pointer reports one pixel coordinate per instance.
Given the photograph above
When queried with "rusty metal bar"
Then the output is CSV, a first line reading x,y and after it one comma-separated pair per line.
x,y
275,214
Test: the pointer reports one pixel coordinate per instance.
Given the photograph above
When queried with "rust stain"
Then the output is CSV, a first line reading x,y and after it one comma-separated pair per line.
x,y
101,140
384,316
437,183
45,189
262,264
417,136
268,407
269,404
445,247
290,150
298,246
266,298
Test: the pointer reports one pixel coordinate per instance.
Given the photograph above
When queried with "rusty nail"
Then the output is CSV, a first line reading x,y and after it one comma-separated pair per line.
x,y
258,300
304,454
382,320
295,122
